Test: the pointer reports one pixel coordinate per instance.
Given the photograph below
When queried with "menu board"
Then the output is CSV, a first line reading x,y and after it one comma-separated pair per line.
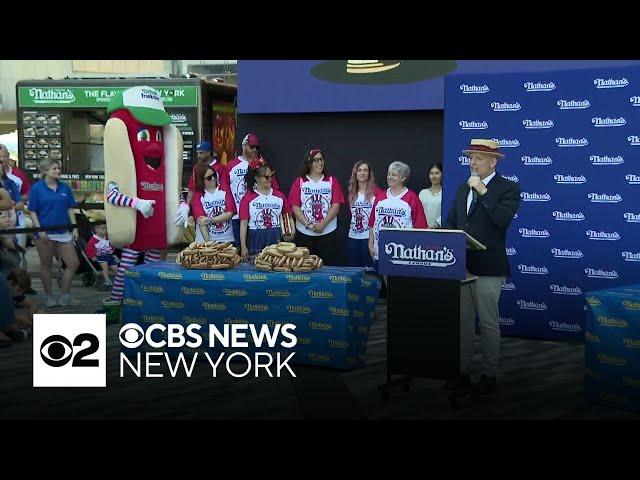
x,y
41,137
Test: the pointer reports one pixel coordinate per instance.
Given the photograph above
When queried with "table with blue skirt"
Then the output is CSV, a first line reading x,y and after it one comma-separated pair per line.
x,y
612,347
332,308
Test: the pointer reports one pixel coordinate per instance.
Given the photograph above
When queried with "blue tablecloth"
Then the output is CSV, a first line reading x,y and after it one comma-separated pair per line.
x,y
332,308
612,347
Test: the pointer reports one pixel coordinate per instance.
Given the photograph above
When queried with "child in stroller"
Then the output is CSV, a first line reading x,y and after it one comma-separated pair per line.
x,y
100,250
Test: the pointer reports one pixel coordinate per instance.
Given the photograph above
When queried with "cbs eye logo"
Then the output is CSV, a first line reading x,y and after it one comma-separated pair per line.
x,y
56,351
131,335
69,350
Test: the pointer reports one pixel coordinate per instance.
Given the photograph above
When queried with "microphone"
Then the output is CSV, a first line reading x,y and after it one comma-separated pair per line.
x,y
473,190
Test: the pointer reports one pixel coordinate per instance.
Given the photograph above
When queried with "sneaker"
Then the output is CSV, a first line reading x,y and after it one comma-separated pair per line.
x,y
51,302
67,301
108,283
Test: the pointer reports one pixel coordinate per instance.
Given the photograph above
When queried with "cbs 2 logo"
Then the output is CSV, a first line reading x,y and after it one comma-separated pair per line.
x,y
56,350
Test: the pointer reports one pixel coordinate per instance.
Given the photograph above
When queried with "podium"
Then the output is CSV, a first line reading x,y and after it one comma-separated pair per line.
x,y
426,272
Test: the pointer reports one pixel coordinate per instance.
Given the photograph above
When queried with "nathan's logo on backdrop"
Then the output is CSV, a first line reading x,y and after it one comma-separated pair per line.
x,y
533,270
608,122
611,360
506,321
606,321
508,287
591,338
473,125
631,342
192,291
572,142
464,160
564,290
610,82
632,217
298,309
565,253
631,257
401,255
535,197
52,95
539,86
568,216
632,179
533,233
505,107
594,301
527,160
536,124
565,327
632,306
507,142
573,104
604,198
569,179
513,178
610,236
635,101
600,273
511,251
606,160
464,88
525,305
633,140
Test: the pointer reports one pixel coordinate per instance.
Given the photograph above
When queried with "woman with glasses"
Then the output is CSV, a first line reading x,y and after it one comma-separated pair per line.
x,y
315,199
261,209
211,206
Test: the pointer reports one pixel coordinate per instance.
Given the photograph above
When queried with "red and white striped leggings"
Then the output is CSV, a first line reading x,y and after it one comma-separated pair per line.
x,y
129,259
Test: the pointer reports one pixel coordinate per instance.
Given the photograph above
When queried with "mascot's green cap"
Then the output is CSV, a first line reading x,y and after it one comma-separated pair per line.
x,y
144,103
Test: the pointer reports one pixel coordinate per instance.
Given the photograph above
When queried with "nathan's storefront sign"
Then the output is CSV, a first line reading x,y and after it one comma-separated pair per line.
x,y
96,97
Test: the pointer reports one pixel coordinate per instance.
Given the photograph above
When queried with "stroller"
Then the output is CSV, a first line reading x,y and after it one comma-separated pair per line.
x,y
91,271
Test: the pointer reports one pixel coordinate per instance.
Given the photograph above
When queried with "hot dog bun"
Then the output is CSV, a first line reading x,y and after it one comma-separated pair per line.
x,y
173,170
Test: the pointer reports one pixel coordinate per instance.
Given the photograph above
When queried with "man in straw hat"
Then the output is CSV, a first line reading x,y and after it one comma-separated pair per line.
x,y
484,207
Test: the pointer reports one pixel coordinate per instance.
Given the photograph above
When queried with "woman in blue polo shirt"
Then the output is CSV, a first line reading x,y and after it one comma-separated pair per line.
x,y
51,203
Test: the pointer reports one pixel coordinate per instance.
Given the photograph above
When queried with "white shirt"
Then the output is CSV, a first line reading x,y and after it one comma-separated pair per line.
x,y
470,196
432,205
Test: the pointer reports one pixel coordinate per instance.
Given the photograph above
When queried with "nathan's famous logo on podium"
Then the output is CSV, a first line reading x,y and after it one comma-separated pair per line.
x,y
416,255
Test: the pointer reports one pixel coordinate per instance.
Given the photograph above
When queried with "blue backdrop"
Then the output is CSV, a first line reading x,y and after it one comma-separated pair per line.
x,y
572,141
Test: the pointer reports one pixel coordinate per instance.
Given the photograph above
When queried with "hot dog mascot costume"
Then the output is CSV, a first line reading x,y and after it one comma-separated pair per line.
x,y
144,210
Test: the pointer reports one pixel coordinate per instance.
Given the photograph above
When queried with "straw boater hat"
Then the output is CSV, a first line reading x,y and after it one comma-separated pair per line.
x,y
479,145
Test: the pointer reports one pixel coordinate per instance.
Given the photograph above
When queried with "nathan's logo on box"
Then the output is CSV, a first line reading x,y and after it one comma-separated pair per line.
x,y
632,179
632,306
320,326
513,178
631,342
535,197
564,290
298,278
339,279
573,104
608,122
153,318
473,125
594,301
304,341
633,140
52,95
464,160
198,320
176,305
611,360
565,327
298,309
131,273
352,297
216,307
254,277
212,276
539,86
606,321
614,398
278,293
416,255
592,374
319,358
610,82
511,251
527,160
320,294
604,198
464,88
508,287
506,321
568,216
338,344
591,338
533,270
566,253
507,142
505,107
192,291
631,257
152,288
606,160
631,217
600,273
527,305
631,382
234,292
537,124
571,142
256,307
340,312
533,233
569,179
608,236
132,301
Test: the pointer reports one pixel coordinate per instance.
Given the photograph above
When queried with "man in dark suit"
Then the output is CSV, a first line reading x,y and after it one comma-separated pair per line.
x,y
484,208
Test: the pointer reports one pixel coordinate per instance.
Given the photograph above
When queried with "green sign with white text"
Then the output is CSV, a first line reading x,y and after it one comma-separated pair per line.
x,y
98,97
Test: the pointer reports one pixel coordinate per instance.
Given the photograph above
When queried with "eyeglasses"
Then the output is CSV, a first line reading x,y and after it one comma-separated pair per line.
x,y
209,177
